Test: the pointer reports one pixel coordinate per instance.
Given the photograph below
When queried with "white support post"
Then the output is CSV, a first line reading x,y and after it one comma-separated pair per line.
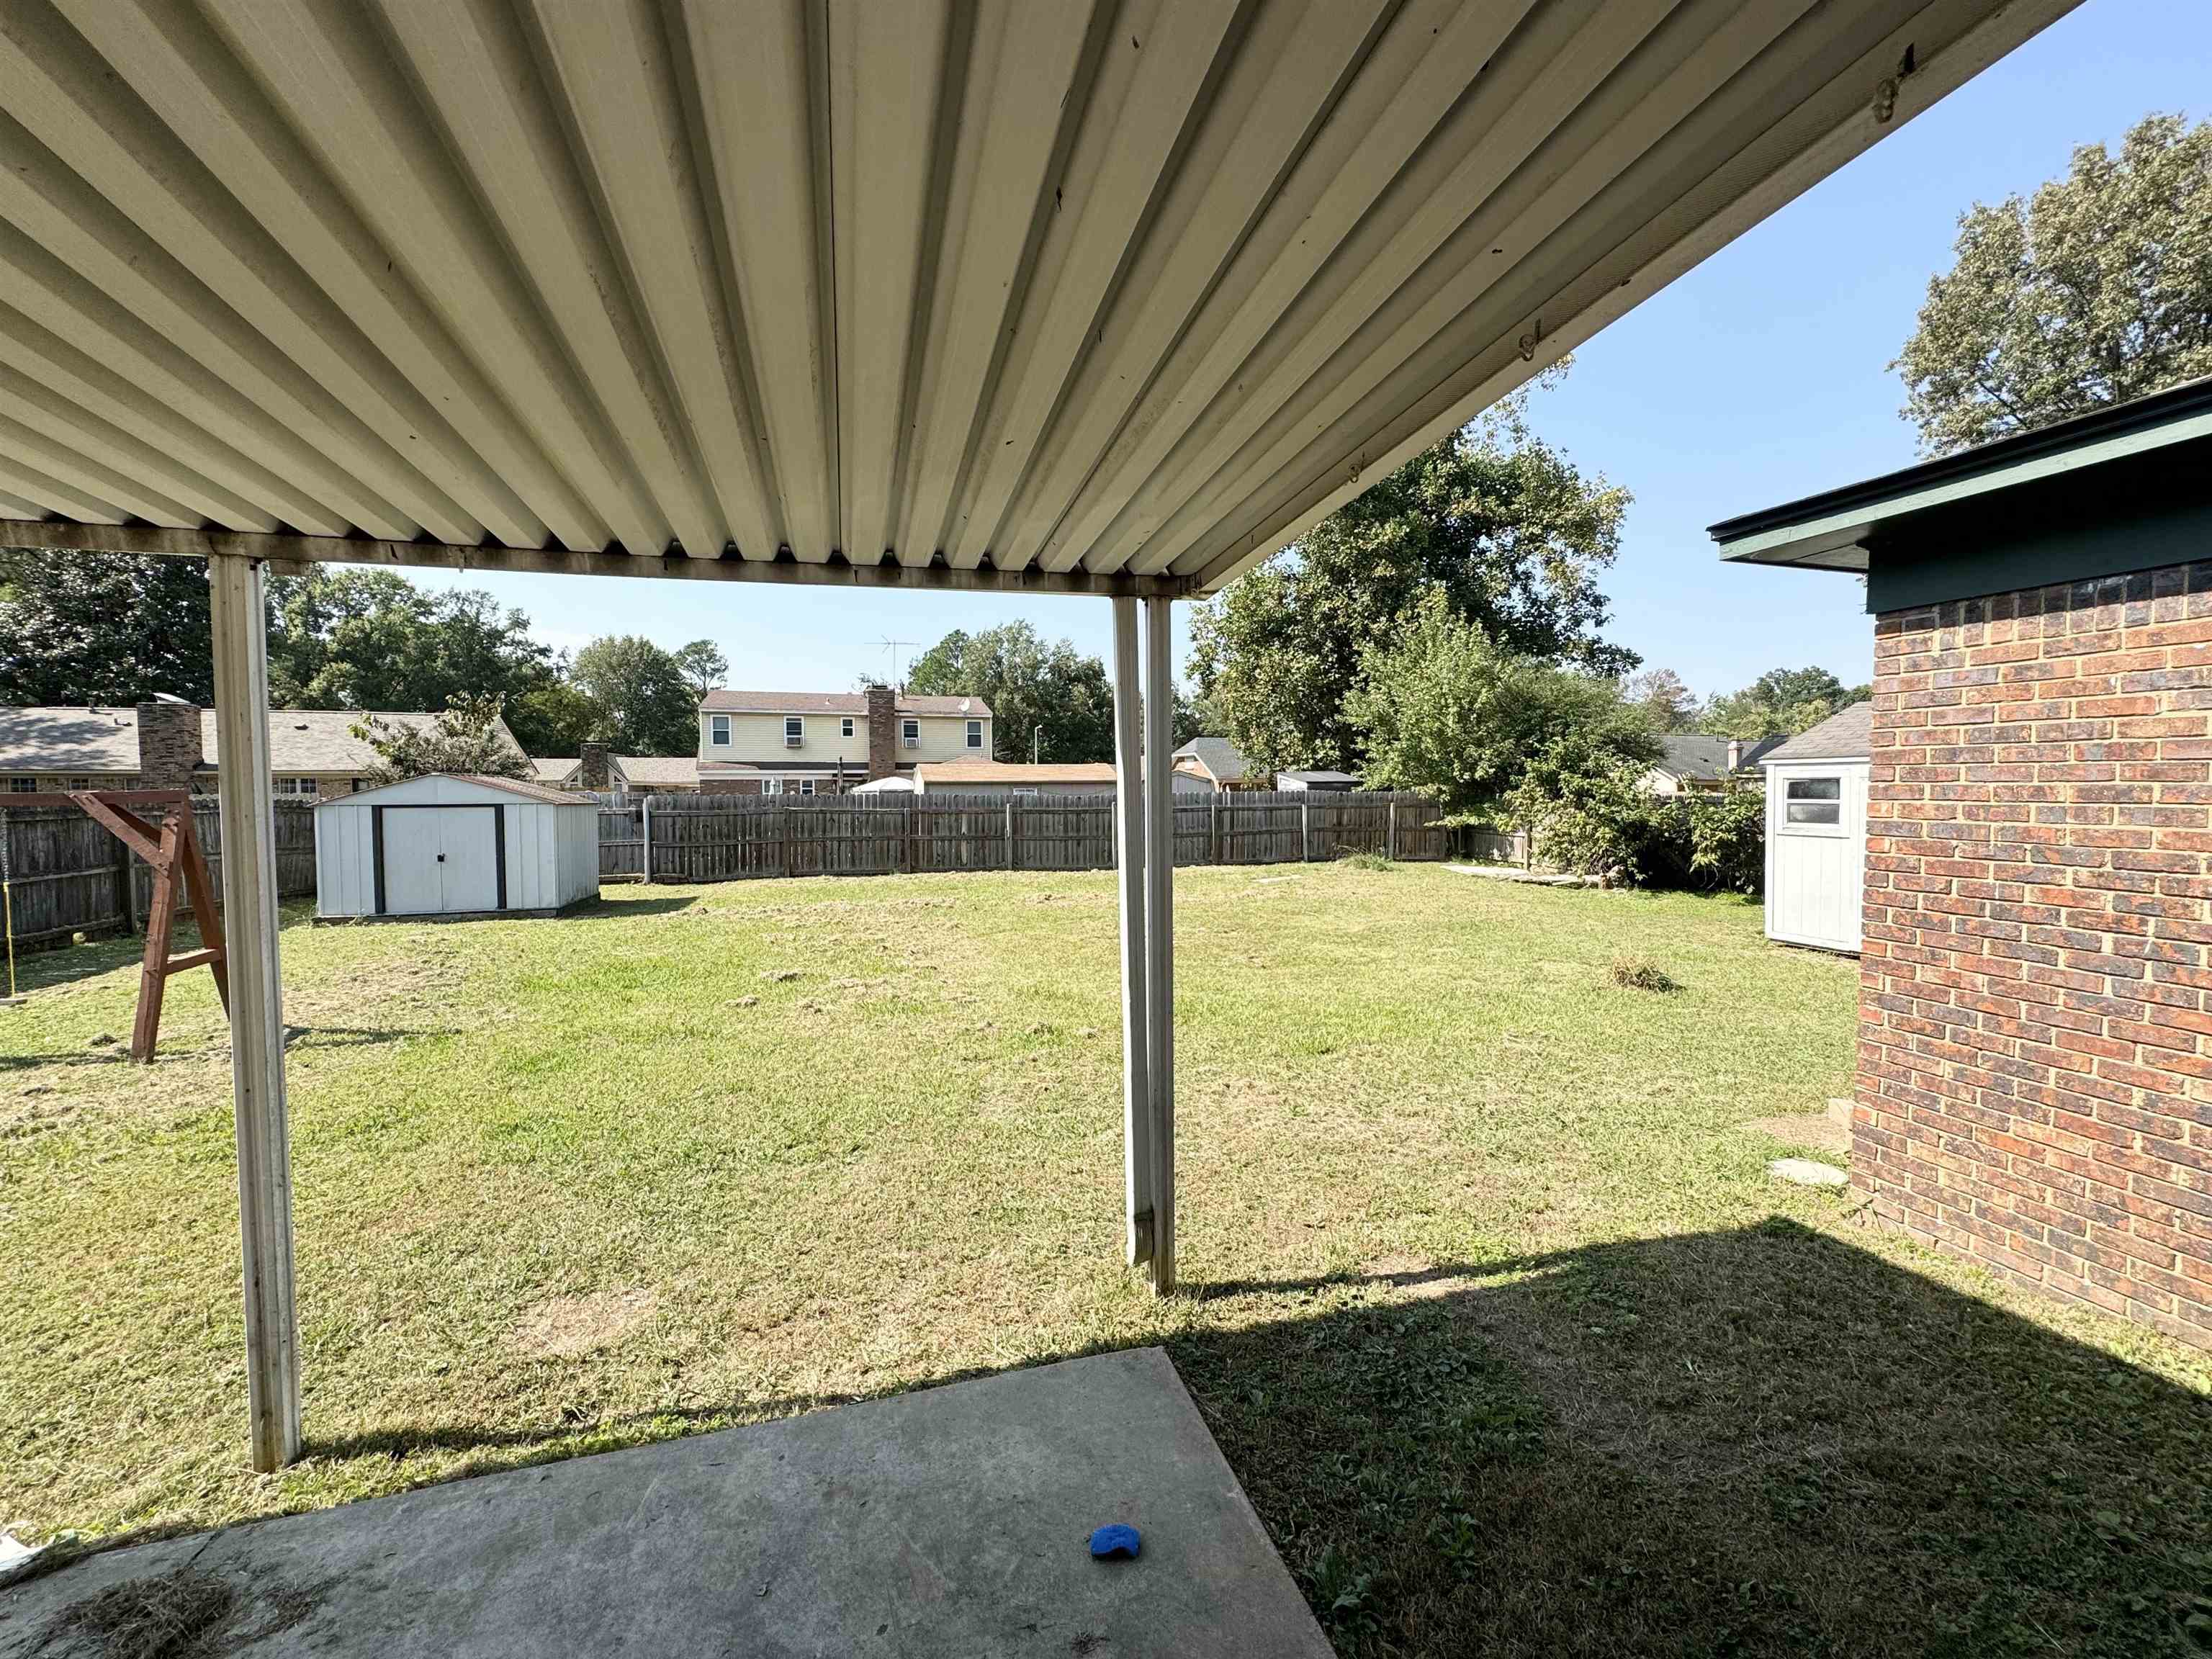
x,y
1159,929
1129,866
246,794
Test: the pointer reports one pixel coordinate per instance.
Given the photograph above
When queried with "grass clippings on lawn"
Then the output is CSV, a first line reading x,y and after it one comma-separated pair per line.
x,y
1491,1304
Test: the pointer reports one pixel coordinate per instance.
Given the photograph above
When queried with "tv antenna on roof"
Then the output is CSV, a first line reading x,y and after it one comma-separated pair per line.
x,y
893,647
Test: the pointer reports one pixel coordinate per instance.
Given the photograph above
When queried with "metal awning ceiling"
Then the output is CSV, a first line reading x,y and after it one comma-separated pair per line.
x,y
1058,296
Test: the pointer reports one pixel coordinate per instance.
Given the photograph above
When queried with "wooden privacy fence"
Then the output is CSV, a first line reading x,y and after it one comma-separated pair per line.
x,y
734,837
67,875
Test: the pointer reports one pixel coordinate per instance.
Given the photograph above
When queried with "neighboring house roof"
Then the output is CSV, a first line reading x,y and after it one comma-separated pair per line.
x,y
663,770
105,739
518,787
719,702
1318,777
1846,736
981,771
1697,755
554,769
1220,759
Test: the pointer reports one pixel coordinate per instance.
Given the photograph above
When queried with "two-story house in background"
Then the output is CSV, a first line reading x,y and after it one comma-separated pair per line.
x,y
821,743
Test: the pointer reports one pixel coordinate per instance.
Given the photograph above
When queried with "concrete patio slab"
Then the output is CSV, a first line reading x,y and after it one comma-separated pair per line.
x,y
951,1521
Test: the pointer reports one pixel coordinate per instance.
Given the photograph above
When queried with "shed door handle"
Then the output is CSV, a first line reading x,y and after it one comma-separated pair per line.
x,y
442,858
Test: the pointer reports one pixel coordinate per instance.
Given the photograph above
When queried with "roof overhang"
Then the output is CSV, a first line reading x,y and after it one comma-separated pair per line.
x,y
1836,529
1106,298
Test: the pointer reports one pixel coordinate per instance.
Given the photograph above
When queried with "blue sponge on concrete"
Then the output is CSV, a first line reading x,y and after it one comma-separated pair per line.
x,y
1116,1542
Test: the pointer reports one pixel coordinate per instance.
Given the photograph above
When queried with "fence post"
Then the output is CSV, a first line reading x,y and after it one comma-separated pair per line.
x,y
1390,833
1010,832
1305,832
645,834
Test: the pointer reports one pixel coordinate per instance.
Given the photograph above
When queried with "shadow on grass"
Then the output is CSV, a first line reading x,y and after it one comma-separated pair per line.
x,y
1763,1442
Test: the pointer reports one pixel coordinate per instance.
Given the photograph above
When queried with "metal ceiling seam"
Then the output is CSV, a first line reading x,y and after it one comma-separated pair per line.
x,y
1154,75
1264,194
50,495
35,351
1692,55
1409,183
71,466
101,441
105,251
471,62
1537,80
88,319
885,85
175,63
16,506
79,107
1024,91
1737,120
1955,39
768,232
1282,80
615,74
339,81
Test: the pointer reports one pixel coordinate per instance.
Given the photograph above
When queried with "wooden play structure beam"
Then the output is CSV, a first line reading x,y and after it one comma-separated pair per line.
x,y
171,849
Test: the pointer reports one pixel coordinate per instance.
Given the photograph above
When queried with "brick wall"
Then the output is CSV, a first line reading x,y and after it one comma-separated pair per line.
x,y
169,746
2035,1037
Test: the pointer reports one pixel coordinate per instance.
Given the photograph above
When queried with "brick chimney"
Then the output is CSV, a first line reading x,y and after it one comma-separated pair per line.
x,y
883,732
591,767
168,744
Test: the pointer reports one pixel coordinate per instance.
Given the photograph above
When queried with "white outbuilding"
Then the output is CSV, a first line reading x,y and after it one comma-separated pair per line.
x,y
455,844
1816,836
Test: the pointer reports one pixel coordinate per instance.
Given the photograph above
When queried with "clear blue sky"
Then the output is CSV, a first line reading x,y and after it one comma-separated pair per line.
x,y
1760,376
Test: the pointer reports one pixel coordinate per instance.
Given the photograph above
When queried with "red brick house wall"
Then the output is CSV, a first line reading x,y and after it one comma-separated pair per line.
x,y
2035,1037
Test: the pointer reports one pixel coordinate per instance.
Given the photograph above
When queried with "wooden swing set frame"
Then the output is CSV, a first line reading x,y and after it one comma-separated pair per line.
x,y
166,841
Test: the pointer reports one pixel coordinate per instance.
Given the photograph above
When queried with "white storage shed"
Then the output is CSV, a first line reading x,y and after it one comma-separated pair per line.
x,y
455,844
1816,840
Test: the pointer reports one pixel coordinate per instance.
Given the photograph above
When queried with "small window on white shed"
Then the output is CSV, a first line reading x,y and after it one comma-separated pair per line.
x,y
975,734
1812,804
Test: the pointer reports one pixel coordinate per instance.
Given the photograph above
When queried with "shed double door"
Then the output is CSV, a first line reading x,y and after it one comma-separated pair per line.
x,y
440,859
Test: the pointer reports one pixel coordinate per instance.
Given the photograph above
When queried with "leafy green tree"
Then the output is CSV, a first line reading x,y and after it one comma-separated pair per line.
x,y
556,717
2096,290
649,709
1780,703
371,639
1033,687
1443,710
1506,528
102,627
465,738
703,666
1666,700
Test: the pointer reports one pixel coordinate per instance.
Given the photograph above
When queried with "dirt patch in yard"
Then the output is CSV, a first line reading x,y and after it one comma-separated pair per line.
x,y
570,1327
1814,1129
186,1614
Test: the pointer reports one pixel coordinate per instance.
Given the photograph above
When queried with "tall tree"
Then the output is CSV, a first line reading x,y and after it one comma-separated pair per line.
x,y
1047,699
371,639
1780,703
649,706
2095,289
105,628
1444,709
1666,700
556,717
703,666
1506,528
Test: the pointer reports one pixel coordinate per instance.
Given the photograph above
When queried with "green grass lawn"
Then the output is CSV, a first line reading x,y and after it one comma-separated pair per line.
x,y
1489,1299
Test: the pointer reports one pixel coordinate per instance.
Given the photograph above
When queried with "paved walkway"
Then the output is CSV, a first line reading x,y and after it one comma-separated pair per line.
x,y
950,1522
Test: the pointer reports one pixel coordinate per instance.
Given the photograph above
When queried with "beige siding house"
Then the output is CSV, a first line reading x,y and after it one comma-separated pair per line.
x,y
812,743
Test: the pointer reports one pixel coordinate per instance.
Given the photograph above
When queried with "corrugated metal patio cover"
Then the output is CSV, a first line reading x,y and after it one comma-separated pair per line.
x,y
1055,293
